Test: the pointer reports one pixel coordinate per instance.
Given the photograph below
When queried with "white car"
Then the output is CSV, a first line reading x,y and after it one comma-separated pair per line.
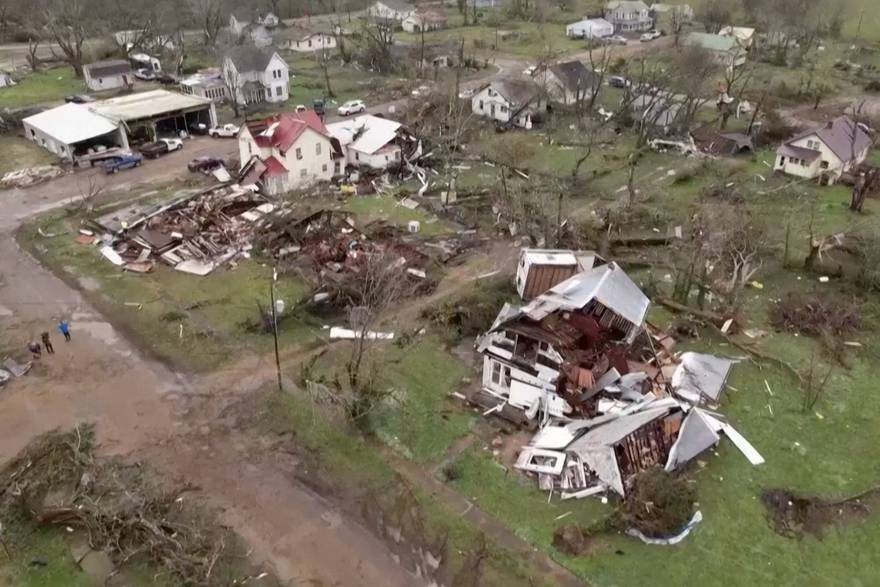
x,y
352,107
650,36
530,70
226,131
616,40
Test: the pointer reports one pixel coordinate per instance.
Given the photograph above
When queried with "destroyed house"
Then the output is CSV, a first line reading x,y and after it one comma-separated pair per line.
x,y
552,353
540,269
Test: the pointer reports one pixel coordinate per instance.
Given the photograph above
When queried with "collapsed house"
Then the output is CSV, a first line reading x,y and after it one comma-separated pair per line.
x,y
195,232
609,398
371,141
540,269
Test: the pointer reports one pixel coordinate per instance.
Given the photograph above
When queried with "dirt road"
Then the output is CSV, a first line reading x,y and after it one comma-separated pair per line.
x,y
144,411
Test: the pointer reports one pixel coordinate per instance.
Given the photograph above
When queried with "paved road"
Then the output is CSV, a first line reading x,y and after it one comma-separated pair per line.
x,y
144,411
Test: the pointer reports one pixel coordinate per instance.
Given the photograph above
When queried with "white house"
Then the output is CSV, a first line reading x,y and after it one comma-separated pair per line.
x,y
391,10
745,36
590,28
828,151
257,30
108,75
206,84
726,51
368,140
514,101
256,75
629,16
287,151
425,19
305,40
569,82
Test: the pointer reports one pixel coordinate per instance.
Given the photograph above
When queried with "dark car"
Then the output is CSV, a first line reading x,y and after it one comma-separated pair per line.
x,y
78,99
123,162
205,164
618,82
165,78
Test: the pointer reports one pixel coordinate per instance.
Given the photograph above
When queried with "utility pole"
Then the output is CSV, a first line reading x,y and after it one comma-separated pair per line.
x,y
275,327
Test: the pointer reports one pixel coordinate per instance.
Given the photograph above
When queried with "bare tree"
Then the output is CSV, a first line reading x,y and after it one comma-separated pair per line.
x,y
715,14
68,24
677,20
33,60
209,15
814,383
89,191
377,38
379,285
323,59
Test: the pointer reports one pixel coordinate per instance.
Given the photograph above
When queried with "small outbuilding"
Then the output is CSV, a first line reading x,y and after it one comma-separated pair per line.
x,y
589,28
149,115
72,130
108,75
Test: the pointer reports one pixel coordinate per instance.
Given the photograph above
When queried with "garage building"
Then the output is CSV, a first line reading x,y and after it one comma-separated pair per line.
x,y
71,131
157,113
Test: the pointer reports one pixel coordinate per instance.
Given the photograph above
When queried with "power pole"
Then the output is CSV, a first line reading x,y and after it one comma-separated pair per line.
x,y
275,327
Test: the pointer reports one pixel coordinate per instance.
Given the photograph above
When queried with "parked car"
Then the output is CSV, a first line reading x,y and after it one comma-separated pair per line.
x,y
227,131
650,36
616,40
300,108
318,107
160,147
78,99
352,107
205,164
165,78
618,81
126,161
145,74
199,128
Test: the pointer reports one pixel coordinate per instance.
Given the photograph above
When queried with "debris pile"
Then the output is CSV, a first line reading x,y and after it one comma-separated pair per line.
x,y
194,233
607,395
22,178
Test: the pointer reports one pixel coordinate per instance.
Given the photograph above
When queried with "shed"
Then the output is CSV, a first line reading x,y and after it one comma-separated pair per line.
x,y
70,130
157,112
541,269
590,28
111,74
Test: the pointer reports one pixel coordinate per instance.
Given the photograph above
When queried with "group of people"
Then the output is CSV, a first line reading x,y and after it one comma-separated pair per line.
x,y
37,350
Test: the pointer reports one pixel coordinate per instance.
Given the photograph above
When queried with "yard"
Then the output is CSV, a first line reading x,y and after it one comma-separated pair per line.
x,y
19,153
44,87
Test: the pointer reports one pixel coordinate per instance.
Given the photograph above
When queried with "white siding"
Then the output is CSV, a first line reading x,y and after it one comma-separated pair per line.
x,y
317,42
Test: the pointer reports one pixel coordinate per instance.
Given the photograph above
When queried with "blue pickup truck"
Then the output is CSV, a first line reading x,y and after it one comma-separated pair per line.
x,y
123,162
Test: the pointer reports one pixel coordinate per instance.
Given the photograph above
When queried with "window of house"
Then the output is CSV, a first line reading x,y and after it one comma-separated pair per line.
x,y
279,90
317,148
268,92
310,42
302,172
824,164
357,156
33,133
481,104
324,167
500,374
299,153
503,108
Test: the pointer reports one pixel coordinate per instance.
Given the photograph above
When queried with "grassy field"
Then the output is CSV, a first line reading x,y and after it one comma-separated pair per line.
x,y
19,153
42,88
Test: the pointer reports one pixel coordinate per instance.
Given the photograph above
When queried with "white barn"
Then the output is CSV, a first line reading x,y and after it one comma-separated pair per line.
x,y
590,28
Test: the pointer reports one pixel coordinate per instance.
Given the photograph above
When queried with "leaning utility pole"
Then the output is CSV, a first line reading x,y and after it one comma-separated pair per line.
x,y
275,327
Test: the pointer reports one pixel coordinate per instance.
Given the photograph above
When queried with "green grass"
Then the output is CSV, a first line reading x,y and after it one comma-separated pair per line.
x,y
19,153
41,88
370,208
211,310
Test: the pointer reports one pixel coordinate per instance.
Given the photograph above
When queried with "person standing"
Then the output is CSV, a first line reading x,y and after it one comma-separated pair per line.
x,y
47,343
64,327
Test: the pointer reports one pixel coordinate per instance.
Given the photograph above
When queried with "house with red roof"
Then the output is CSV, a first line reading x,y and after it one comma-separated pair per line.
x,y
287,151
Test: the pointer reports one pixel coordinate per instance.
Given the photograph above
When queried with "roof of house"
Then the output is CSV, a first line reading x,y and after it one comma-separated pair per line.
x,y
108,68
282,130
574,75
739,32
627,5
808,155
365,133
247,58
843,136
702,374
146,104
592,22
609,285
516,91
711,140
274,167
397,5
71,123
429,14
711,42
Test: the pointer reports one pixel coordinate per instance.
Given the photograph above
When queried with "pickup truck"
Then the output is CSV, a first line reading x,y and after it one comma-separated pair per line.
x,y
160,147
227,131
126,161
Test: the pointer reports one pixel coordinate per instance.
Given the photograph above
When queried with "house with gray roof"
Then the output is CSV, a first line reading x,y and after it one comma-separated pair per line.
x,y
515,102
255,75
629,16
111,74
725,50
826,152
568,83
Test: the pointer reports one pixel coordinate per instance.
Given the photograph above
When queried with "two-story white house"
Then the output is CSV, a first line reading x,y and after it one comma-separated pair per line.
x,y
391,10
513,101
629,16
256,75
827,152
287,151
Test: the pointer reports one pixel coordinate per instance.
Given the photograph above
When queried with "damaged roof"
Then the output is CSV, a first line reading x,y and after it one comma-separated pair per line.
x,y
365,133
282,130
575,76
516,91
249,58
843,136
701,374
608,285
